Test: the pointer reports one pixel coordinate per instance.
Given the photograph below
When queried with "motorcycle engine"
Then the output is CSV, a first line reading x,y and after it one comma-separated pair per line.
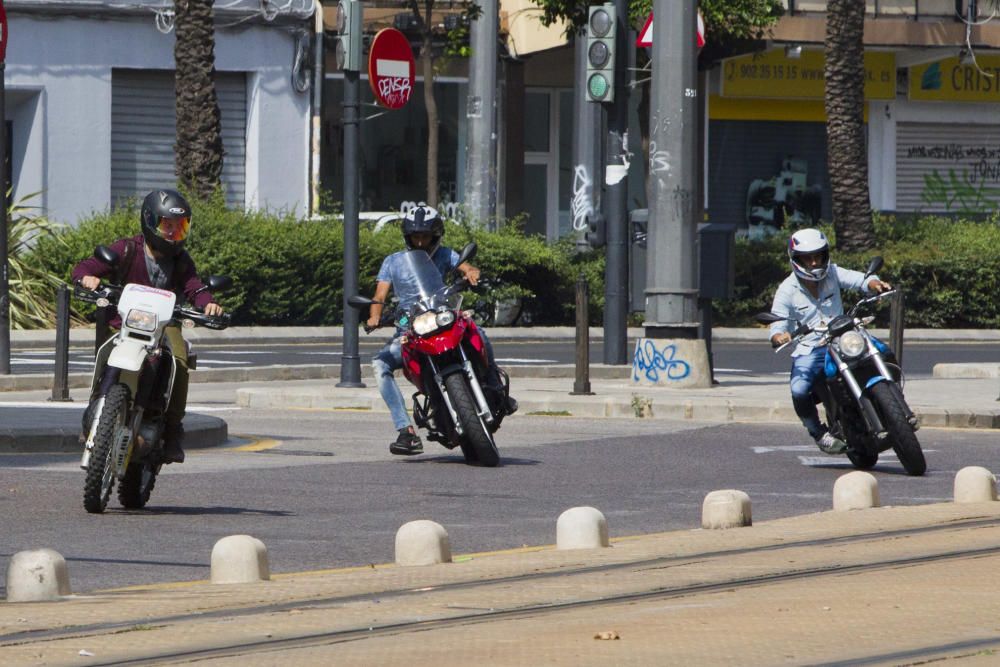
x,y
149,435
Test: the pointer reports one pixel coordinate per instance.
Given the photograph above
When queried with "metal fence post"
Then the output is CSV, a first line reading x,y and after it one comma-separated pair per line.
x,y
60,382
582,384
896,326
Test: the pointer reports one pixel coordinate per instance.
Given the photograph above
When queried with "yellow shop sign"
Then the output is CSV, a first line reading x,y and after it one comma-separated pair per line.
x,y
772,74
949,80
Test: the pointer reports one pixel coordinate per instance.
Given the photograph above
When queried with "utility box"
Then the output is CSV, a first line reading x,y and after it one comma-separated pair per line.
x,y
716,259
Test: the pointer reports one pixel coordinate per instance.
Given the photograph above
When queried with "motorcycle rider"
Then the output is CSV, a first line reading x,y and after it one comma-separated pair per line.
x,y
165,221
811,295
423,229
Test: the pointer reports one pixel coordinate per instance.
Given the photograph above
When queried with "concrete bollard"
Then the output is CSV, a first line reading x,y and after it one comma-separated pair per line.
x,y
36,576
856,490
239,559
727,508
975,484
422,542
581,528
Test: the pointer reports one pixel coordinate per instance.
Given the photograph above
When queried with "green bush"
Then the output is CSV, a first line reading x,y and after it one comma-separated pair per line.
x,y
289,272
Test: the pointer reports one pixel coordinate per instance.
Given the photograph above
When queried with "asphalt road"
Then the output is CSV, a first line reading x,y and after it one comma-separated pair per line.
x,y
732,358
322,490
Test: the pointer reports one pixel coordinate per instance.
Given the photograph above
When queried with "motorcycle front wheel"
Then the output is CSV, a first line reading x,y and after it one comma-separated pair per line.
x,y
478,445
904,440
101,469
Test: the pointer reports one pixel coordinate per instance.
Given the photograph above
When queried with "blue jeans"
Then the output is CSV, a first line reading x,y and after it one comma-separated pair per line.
x,y
390,359
805,370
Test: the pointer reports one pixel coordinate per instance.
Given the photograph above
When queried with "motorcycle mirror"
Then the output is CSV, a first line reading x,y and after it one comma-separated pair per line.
x,y
874,265
358,301
106,255
468,252
767,318
218,283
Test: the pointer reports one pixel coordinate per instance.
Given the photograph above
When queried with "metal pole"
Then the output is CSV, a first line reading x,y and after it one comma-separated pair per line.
x,y
672,266
582,383
587,133
896,326
4,259
60,382
480,165
616,206
350,362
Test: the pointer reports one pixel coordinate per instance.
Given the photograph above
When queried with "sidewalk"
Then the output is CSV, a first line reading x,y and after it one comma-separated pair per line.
x,y
954,403
880,586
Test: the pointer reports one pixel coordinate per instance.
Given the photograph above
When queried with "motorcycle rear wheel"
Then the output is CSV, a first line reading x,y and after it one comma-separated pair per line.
x,y
101,470
135,487
478,445
904,440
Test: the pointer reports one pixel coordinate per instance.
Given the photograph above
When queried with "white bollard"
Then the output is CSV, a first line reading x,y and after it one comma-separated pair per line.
x,y
975,484
36,576
239,559
581,528
726,508
422,542
856,490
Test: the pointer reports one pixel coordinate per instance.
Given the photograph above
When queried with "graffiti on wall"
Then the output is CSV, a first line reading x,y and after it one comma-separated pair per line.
x,y
970,185
658,362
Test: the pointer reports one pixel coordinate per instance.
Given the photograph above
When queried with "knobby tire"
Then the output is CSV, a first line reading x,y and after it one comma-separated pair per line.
x,y
96,491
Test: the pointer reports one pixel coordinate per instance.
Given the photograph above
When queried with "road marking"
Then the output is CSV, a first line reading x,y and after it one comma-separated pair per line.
x,y
258,444
784,448
518,360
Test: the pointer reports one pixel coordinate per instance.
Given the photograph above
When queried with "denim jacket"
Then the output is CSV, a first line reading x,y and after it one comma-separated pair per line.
x,y
794,301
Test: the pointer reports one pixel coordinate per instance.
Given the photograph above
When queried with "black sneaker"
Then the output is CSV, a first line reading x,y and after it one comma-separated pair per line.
x,y
407,444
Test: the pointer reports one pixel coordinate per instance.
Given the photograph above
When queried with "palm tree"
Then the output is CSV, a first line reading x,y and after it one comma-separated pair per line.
x,y
845,98
198,151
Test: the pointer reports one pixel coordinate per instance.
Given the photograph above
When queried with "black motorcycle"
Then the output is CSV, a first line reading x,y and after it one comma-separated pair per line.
x,y
861,387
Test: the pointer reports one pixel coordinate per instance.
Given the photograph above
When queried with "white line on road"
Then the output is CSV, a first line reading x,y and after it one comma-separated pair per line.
x,y
517,360
82,404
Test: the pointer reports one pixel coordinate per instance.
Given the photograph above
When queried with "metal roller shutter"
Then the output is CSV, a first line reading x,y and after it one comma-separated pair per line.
x,y
143,132
929,154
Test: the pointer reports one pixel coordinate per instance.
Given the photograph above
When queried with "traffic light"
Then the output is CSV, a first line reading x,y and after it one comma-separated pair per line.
x,y
349,35
601,32
597,230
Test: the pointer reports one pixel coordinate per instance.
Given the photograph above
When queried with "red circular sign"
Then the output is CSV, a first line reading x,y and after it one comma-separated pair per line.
x,y
391,68
3,32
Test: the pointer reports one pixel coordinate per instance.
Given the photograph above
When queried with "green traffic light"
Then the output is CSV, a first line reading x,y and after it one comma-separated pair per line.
x,y
598,86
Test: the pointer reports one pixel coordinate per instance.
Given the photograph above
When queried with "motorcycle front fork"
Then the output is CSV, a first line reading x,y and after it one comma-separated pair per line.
x,y
482,406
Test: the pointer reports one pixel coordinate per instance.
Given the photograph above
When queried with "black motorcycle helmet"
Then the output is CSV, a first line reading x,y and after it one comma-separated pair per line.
x,y
165,219
423,219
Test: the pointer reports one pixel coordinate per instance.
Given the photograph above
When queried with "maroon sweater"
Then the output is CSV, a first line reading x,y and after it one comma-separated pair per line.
x,y
184,282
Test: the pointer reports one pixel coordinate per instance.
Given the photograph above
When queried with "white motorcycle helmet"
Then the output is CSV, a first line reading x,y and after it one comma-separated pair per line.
x,y
808,242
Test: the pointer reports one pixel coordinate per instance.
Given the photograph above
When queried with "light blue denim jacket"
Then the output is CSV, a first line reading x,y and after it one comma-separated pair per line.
x,y
795,301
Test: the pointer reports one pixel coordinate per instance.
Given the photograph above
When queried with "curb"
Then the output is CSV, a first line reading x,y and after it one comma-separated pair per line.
x,y
200,432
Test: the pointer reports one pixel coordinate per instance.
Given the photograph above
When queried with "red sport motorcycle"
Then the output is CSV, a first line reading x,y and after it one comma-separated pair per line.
x,y
459,401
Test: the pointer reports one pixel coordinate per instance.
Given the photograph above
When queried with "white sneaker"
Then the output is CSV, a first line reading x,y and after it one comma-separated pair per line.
x,y
828,444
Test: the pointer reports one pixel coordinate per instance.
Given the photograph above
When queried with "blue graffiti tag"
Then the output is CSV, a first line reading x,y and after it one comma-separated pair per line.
x,y
651,361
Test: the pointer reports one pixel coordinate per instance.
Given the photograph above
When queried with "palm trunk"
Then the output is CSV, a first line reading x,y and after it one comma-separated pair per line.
x,y
198,151
846,151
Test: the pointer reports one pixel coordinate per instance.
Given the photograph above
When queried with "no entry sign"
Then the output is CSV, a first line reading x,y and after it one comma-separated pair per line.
x,y
391,68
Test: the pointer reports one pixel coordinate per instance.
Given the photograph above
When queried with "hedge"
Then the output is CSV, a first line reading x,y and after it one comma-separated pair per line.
x,y
289,272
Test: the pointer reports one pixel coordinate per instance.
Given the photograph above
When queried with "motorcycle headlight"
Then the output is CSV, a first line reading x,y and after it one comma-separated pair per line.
x,y
852,344
425,323
445,319
142,320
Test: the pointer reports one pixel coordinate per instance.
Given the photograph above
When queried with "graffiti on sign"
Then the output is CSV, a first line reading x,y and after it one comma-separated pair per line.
x,y
650,361
581,205
395,90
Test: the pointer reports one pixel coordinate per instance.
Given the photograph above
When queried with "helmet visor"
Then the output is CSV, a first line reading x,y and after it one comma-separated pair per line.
x,y
173,229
